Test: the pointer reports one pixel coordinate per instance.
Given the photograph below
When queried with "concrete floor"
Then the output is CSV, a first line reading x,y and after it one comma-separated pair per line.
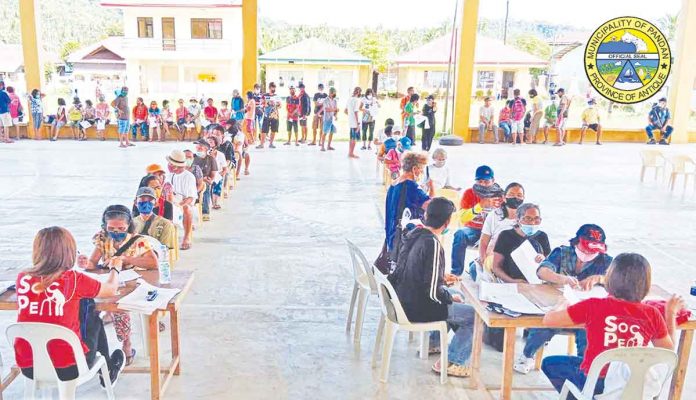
x,y
266,315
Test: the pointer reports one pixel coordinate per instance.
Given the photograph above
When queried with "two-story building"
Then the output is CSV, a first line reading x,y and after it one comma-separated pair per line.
x,y
181,47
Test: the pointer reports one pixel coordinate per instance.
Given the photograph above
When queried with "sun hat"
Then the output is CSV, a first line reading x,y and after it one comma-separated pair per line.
x,y
177,158
154,168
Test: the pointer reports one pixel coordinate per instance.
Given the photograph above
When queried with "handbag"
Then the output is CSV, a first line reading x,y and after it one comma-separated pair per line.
x,y
386,259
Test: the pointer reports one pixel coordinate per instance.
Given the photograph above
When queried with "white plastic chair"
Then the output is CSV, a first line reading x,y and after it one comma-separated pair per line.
x,y
638,359
38,335
652,159
682,165
394,319
364,285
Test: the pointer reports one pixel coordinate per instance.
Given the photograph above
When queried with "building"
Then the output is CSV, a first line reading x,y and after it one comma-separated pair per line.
x,y
12,64
181,47
497,67
100,66
313,61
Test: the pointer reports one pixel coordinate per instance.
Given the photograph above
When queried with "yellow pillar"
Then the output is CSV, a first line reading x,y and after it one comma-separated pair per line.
x,y
250,45
683,72
33,67
466,45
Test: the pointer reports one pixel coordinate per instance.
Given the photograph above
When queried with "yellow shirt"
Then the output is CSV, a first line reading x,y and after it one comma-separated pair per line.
x,y
590,116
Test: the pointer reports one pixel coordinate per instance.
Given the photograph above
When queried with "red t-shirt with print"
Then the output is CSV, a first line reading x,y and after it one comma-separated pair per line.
x,y
612,323
59,304
210,113
470,200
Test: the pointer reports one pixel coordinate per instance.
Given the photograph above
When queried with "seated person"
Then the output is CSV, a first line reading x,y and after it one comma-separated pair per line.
x,y
163,207
149,223
438,172
184,183
392,161
590,119
527,229
504,120
419,281
581,265
473,214
52,277
550,115
628,281
117,241
486,120
659,118
389,137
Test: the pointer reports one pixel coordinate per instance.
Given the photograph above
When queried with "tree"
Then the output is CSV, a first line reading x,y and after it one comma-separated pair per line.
x,y
532,44
668,25
68,48
375,46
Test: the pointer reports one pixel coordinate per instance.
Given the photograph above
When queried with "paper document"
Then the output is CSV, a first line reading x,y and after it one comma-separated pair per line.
x,y
85,124
507,295
101,124
5,286
123,277
524,257
575,296
421,119
138,301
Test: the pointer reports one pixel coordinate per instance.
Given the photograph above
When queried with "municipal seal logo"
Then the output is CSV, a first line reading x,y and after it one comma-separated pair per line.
x,y
627,60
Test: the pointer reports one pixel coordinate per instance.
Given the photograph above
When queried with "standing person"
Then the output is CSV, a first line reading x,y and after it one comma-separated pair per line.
x,y
16,110
36,108
240,143
411,109
140,120
250,117
292,105
329,113
429,110
369,106
210,112
402,105
550,116
518,109
5,118
209,167
352,109
237,106
60,120
75,117
486,121
101,114
258,106
154,121
271,104
183,193
562,116
317,121
537,113
122,116
224,112
659,118
89,115
590,119
167,119
305,111
181,116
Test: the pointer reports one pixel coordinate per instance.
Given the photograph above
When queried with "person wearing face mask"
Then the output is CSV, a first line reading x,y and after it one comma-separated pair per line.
x,y
147,222
183,191
329,115
117,236
537,112
209,167
526,229
369,107
419,280
583,264
590,119
438,173
429,110
317,123
163,207
194,111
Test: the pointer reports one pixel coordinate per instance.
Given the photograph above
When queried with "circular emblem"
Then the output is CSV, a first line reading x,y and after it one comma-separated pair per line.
x,y
627,60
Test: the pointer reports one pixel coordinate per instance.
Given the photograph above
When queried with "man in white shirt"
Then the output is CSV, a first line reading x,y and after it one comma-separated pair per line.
x,y
183,192
486,113
352,109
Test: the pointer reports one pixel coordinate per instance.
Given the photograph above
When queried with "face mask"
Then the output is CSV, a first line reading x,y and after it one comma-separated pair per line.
x,y
585,257
117,236
201,154
189,162
369,96
145,207
439,163
171,168
513,202
529,230
445,231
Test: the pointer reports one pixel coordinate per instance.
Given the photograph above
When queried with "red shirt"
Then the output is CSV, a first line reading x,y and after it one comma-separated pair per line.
x,y
210,113
470,200
181,113
59,304
140,113
612,323
293,107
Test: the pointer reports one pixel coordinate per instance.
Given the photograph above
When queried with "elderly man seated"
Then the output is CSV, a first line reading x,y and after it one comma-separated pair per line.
x,y
150,224
182,192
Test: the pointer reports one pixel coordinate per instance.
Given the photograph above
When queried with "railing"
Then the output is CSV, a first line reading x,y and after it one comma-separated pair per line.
x,y
148,45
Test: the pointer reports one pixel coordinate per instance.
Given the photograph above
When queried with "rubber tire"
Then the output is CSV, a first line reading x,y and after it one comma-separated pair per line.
x,y
451,140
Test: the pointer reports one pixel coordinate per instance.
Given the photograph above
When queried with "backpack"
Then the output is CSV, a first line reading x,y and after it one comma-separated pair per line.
x,y
517,109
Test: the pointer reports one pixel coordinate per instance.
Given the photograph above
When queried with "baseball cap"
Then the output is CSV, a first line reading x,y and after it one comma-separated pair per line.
x,y
484,172
153,168
591,237
146,191
202,142
301,85
321,86
405,142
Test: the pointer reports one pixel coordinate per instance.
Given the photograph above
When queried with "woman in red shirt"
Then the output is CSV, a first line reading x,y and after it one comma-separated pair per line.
x,y
619,320
50,292
140,121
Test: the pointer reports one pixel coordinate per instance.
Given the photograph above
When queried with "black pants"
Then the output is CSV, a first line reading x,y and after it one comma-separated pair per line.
x,y
95,339
368,126
427,139
411,133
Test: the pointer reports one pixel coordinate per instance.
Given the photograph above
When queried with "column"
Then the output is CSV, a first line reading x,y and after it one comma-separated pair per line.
x,y
465,68
683,72
33,67
180,81
250,44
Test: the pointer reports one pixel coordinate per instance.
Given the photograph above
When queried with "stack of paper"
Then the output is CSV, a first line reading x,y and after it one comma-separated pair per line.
x,y
575,296
525,258
123,277
138,301
506,295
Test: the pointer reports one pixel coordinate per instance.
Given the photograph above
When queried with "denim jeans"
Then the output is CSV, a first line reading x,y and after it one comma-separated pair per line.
x,y
144,130
37,118
538,337
460,318
562,368
206,200
482,132
650,128
507,130
462,238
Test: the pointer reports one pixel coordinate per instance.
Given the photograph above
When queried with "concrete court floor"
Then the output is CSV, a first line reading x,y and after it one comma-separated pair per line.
x,y
266,315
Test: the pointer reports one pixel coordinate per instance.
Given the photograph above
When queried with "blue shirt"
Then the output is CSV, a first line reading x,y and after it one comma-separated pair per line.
x,y
562,261
4,102
415,198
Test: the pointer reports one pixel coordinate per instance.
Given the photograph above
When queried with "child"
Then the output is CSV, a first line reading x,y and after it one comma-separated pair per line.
x,y
393,158
249,115
75,117
590,119
224,113
154,120
101,113
550,113
167,119
504,120
60,120
88,115
628,281
181,114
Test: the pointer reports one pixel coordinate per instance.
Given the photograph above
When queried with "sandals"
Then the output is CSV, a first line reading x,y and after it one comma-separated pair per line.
x,y
185,246
130,358
216,207
455,370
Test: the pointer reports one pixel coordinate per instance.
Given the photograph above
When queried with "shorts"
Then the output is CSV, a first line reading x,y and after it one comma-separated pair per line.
x,y
329,127
269,124
181,121
123,125
561,122
15,121
5,120
517,126
354,133
58,124
594,127
217,188
303,121
292,125
549,124
316,122
249,125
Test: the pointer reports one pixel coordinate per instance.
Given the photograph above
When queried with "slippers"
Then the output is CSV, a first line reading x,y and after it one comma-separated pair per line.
x,y
185,246
130,358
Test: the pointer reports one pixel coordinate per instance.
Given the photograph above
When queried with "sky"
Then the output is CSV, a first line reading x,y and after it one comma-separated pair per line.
x,y
582,14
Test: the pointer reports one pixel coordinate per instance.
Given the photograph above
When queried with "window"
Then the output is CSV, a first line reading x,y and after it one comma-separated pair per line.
x,y
485,79
206,28
435,79
145,27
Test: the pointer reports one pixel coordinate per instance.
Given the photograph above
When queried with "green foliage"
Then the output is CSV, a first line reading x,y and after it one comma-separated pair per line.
x,y
374,45
668,25
532,44
68,47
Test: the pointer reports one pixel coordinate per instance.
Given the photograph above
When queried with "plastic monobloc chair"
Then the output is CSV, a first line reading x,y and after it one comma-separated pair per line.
x,y
682,165
652,159
38,334
364,285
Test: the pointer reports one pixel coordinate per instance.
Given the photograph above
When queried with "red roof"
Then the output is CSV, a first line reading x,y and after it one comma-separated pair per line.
x,y
488,51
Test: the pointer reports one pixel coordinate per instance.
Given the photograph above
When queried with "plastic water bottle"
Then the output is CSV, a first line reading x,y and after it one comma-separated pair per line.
x,y
165,272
